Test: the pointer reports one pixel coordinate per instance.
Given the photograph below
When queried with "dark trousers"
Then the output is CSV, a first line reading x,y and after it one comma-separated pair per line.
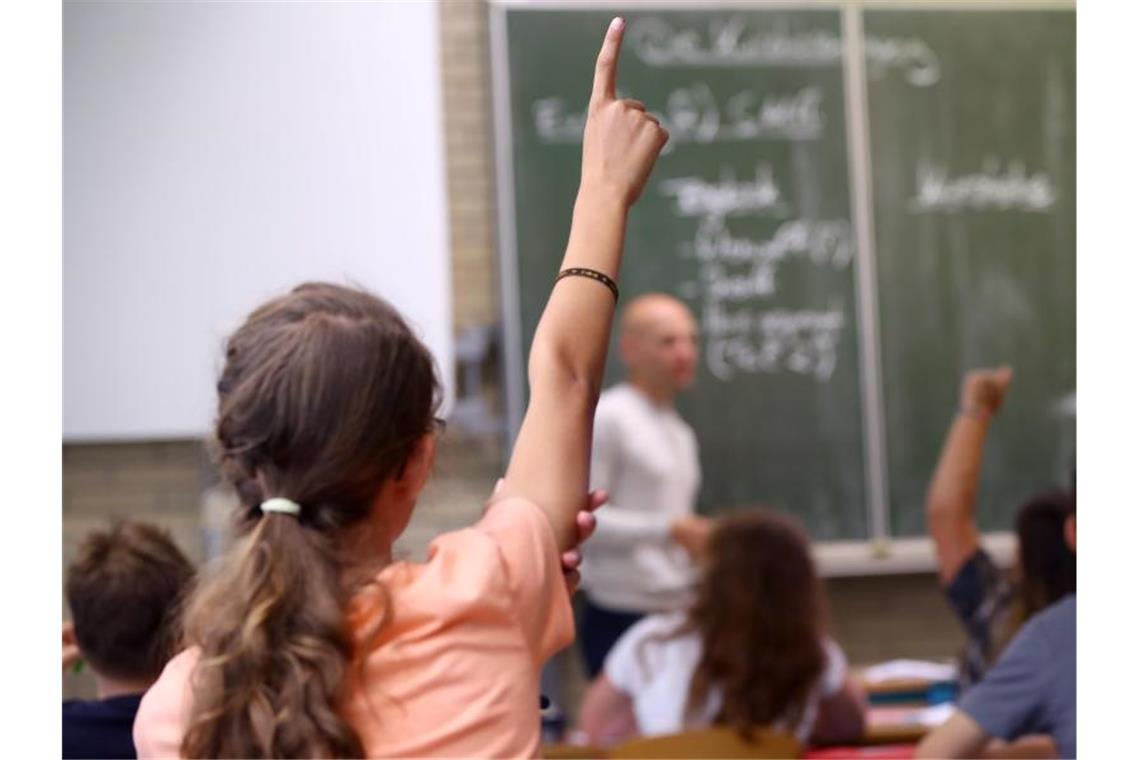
x,y
599,629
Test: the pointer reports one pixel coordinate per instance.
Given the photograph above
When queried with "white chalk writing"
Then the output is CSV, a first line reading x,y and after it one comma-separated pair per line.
x,y
804,341
732,42
694,115
1009,188
696,196
823,242
735,271
914,57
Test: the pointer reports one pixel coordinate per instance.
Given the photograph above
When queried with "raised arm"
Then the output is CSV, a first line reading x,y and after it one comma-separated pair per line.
x,y
952,497
550,461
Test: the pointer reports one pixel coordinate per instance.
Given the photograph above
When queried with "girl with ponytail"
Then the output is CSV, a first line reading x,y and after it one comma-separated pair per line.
x,y
307,640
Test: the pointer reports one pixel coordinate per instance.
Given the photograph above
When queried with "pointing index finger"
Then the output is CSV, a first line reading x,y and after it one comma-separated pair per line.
x,y
605,73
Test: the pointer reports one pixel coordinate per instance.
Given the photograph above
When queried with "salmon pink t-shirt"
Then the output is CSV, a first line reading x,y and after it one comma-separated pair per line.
x,y
454,672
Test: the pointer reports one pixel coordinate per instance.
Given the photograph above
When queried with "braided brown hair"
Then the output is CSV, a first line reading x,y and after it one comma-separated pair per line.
x,y
324,395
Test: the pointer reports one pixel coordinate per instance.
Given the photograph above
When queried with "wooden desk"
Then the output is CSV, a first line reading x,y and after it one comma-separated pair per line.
x,y
894,724
890,733
897,685
572,752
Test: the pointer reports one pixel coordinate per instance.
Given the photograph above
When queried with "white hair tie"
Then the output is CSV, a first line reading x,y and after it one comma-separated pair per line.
x,y
284,506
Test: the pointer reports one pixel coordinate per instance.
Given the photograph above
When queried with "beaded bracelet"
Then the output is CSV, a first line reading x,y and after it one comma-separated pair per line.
x,y
593,274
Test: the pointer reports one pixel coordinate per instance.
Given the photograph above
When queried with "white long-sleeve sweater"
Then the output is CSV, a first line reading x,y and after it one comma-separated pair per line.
x,y
646,457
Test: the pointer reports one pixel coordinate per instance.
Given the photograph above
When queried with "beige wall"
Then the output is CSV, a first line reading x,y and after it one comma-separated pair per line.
x,y
874,618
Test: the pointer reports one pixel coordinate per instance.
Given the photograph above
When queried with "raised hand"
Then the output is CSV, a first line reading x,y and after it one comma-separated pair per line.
x,y
983,390
621,141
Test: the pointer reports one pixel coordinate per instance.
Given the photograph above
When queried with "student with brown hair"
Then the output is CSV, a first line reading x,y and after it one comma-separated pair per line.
x,y
123,589
753,650
310,641
991,606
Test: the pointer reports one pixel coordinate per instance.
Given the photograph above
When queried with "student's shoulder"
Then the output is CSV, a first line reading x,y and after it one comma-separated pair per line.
x,y
467,555
163,710
658,631
1063,611
512,544
504,572
1056,624
646,648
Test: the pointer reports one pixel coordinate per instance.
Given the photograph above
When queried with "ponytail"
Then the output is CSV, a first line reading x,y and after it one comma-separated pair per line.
x,y
275,647
324,395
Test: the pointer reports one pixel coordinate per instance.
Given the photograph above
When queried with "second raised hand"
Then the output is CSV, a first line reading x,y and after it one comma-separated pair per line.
x,y
621,141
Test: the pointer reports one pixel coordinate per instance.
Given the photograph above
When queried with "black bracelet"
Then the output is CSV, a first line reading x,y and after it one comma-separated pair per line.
x,y
593,274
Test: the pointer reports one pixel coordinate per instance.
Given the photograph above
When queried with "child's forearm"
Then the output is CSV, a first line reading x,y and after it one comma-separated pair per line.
x,y
573,334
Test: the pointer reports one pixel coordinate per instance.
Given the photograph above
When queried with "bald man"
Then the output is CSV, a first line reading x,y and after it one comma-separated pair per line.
x,y
640,560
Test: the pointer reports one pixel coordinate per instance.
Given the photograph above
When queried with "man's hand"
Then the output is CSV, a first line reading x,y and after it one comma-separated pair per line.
x,y
692,533
587,523
983,390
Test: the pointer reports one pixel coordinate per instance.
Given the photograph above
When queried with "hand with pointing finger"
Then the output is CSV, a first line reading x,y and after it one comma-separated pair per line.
x,y
621,141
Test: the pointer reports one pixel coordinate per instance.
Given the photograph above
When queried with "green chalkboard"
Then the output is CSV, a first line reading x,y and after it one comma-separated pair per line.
x,y
975,224
751,217
746,218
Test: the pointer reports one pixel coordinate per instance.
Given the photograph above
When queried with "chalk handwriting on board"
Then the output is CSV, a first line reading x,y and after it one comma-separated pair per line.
x,y
803,341
733,41
697,196
913,56
720,253
994,188
695,115
720,285
736,271
554,123
821,242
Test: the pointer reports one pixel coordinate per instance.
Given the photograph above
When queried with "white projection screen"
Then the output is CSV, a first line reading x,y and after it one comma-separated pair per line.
x,y
218,153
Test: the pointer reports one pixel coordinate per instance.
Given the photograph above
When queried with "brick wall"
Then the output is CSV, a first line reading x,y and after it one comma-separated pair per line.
x,y
470,185
875,618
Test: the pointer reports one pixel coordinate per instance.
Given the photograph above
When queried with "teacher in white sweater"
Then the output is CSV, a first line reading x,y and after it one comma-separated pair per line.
x,y
640,560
